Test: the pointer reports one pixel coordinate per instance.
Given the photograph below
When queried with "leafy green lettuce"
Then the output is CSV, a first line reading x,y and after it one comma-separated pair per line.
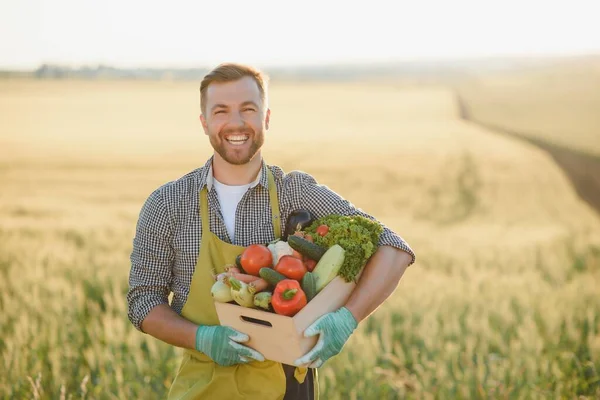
x,y
357,235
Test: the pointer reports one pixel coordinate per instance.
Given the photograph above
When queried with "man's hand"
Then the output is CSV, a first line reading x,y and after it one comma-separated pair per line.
x,y
333,329
222,345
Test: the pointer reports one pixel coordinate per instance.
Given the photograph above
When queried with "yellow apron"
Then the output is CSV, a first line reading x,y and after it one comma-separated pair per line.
x,y
199,377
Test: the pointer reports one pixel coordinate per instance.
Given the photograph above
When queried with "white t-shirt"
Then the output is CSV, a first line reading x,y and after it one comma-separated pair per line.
x,y
229,197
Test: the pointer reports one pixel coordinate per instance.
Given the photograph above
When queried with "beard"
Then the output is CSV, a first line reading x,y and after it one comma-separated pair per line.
x,y
233,155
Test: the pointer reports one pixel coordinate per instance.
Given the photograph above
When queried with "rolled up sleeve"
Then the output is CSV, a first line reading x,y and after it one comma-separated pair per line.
x,y
151,260
390,238
323,201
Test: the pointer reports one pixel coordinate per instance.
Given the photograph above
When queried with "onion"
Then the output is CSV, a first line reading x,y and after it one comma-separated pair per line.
x,y
221,292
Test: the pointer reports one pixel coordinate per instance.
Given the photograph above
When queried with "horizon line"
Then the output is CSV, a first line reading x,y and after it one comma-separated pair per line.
x,y
321,64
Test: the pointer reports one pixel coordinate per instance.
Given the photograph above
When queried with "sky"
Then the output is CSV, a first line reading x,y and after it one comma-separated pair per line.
x,y
134,33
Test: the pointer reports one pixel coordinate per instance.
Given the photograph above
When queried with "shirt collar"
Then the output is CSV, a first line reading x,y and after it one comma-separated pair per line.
x,y
206,176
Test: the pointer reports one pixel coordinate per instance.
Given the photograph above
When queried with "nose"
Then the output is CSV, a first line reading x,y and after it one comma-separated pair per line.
x,y
236,120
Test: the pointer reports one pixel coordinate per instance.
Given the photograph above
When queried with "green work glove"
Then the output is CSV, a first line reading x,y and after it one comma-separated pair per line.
x,y
333,329
222,345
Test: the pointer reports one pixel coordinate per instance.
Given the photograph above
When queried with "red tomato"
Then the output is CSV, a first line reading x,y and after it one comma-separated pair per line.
x,y
310,264
296,254
291,267
322,230
255,257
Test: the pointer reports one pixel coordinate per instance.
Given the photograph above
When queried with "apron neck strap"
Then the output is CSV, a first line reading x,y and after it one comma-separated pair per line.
x,y
275,215
204,210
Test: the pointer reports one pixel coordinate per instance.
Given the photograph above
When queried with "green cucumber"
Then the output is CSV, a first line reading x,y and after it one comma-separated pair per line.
x,y
306,248
238,262
271,276
328,266
309,285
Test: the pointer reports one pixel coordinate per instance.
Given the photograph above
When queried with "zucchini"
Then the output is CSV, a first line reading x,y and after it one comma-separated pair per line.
x,y
306,248
328,266
271,276
309,285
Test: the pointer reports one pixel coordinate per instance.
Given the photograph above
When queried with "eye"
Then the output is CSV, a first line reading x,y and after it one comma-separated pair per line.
x,y
248,109
219,112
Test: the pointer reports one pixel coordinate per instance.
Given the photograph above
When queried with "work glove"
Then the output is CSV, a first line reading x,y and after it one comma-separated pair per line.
x,y
222,345
333,329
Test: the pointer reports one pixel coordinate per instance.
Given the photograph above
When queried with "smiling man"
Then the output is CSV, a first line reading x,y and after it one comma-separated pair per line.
x,y
190,227
235,130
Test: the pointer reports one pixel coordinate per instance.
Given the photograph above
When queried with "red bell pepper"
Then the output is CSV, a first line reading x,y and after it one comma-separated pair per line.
x,y
288,297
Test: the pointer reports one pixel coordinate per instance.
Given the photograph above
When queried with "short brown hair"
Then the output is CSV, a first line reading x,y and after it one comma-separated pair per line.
x,y
229,72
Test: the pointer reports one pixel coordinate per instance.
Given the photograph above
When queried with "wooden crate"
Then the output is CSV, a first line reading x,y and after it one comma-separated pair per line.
x,y
280,338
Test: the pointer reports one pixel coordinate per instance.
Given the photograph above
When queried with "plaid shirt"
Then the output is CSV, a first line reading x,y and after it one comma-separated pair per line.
x,y
169,230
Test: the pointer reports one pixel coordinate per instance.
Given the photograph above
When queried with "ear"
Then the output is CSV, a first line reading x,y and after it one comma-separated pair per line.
x,y
267,118
204,124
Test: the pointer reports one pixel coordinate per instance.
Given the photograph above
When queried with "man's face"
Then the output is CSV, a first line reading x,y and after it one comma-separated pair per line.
x,y
235,119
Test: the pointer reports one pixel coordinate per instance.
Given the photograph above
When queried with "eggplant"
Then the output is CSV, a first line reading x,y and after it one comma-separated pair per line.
x,y
297,220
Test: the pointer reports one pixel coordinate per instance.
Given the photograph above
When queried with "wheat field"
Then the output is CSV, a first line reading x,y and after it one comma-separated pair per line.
x,y
501,303
555,102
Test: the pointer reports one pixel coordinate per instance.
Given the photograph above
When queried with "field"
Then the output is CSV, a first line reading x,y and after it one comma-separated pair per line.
x,y
502,302
555,102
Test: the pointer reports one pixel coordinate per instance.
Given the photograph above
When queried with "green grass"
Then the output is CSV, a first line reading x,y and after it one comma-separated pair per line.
x,y
489,334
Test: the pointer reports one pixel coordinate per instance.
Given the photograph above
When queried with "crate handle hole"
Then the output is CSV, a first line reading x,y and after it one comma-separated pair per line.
x,y
256,321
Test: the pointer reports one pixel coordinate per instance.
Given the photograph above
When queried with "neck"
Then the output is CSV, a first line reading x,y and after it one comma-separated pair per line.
x,y
233,175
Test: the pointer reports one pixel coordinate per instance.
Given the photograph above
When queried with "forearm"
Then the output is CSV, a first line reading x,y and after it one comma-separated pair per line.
x,y
378,281
165,324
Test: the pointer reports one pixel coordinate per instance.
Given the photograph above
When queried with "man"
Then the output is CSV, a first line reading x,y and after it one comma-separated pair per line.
x,y
191,227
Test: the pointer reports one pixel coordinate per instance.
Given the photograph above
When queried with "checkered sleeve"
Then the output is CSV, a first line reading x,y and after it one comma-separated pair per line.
x,y
151,260
322,201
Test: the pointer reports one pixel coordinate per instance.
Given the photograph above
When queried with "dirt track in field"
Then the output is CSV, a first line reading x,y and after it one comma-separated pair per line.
x,y
583,170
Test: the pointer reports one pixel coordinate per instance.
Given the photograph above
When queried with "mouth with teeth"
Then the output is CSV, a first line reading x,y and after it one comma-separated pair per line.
x,y
237,140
